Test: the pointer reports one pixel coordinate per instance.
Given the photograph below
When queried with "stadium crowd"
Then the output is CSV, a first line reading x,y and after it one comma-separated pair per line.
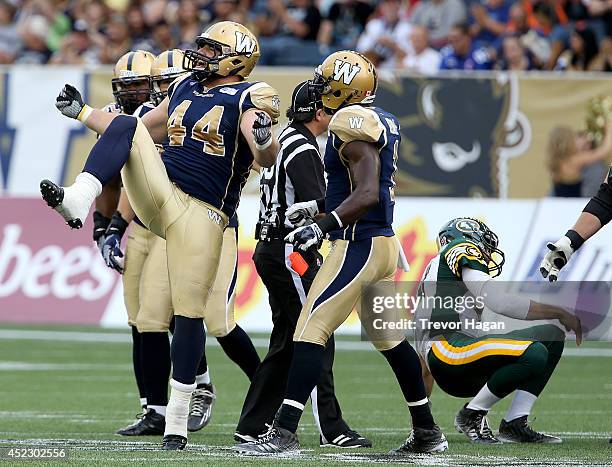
x,y
422,36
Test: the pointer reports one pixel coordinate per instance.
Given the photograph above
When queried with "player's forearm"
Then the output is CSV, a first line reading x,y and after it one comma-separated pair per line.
x,y
587,225
543,311
96,119
125,208
267,157
357,204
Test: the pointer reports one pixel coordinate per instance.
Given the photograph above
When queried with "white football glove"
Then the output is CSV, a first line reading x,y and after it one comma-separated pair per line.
x,y
69,101
560,253
300,214
306,236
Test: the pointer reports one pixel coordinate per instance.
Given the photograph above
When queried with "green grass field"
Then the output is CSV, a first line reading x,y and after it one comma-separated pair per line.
x,y
59,392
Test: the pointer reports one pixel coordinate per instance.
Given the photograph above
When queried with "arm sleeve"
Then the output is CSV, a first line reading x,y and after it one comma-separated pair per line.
x,y
311,186
482,285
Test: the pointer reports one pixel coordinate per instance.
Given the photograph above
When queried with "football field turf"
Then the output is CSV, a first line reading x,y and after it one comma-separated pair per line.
x,y
72,388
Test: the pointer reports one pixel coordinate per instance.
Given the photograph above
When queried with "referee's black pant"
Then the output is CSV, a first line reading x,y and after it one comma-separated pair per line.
x,y
287,291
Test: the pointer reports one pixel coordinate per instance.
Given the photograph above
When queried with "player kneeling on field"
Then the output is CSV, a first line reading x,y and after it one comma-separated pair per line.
x,y
466,363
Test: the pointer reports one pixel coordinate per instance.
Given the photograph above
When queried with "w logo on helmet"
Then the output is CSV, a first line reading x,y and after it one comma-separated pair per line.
x,y
345,71
244,43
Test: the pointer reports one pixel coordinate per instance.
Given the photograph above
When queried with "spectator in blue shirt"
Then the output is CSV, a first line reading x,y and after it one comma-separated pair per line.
x,y
489,20
461,54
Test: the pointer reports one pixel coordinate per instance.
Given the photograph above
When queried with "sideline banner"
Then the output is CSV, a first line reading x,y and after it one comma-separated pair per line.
x,y
483,134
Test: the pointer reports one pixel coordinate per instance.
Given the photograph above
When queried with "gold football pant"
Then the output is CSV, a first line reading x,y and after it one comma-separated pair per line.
x,y
337,287
146,286
193,229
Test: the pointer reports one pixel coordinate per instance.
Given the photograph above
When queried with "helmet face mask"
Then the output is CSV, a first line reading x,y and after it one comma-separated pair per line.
x,y
479,233
130,93
165,69
131,83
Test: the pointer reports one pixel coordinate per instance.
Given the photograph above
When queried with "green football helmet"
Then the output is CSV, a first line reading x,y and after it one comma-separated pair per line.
x,y
477,232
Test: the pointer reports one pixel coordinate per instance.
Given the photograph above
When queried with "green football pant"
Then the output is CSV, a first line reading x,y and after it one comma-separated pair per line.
x,y
523,359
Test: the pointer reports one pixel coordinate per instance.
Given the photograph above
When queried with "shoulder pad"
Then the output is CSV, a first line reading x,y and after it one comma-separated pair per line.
x,y
461,253
175,83
265,97
357,123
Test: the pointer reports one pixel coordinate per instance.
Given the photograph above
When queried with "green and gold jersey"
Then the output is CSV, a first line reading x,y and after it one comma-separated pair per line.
x,y
445,302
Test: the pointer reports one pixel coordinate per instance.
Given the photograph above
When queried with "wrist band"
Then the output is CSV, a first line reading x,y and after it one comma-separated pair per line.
x,y
575,239
84,113
266,145
329,222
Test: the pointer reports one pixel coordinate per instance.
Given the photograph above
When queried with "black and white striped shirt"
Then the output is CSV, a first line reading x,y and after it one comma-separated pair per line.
x,y
297,176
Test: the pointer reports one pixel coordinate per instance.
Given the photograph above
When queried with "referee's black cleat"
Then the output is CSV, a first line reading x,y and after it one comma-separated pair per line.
x,y
347,440
423,441
276,441
475,425
174,443
518,431
148,423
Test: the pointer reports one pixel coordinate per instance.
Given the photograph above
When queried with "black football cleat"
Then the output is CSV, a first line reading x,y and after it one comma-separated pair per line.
x,y
475,425
148,423
348,440
54,197
174,443
276,441
200,410
518,431
423,441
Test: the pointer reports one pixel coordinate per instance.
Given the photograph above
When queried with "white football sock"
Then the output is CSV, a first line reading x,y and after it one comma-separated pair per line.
x,y
79,197
160,409
204,378
521,405
143,402
484,400
177,409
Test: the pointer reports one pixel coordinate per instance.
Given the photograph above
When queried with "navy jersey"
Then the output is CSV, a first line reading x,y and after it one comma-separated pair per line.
x,y
372,125
206,155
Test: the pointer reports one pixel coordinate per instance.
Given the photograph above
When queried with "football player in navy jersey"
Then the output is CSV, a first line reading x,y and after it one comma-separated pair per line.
x,y
131,88
217,124
147,293
360,161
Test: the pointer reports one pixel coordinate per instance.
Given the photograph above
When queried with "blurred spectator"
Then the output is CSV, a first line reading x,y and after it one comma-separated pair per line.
x,y
117,40
225,10
439,16
602,9
136,25
461,54
344,23
533,40
604,63
568,155
384,40
489,20
288,33
514,56
153,10
189,23
33,30
10,42
422,59
583,54
77,48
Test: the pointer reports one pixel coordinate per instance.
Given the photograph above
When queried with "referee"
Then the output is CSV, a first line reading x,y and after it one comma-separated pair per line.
x,y
297,176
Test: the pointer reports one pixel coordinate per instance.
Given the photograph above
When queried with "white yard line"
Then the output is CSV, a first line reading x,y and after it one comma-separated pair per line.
x,y
122,338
